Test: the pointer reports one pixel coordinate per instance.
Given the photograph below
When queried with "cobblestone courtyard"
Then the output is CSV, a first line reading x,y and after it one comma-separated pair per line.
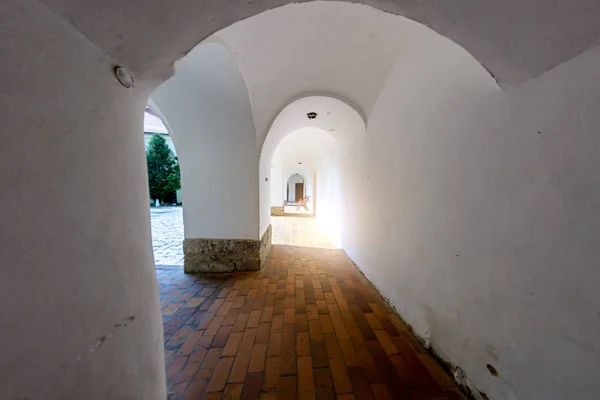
x,y
167,235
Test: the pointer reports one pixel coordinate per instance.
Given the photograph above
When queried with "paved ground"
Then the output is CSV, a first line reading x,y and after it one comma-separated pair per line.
x,y
308,326
167,235
298,231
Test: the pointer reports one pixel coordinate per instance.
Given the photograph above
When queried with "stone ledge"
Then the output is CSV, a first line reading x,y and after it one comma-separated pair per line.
x,y
226,255
265,245
277,211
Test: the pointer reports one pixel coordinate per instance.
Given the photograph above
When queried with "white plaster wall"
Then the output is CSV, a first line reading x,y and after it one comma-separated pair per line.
x,y
331,195
278,187
78,294
480,218
207,107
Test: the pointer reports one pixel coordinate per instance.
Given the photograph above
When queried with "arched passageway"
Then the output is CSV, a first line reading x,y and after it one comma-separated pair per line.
x,y
218,158
473,209
312,136
295,188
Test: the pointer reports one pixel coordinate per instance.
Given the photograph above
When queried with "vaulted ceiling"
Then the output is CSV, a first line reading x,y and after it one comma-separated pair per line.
x,y
514,39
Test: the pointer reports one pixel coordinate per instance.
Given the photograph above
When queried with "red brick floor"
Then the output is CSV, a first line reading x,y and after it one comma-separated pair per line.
x,y
309,326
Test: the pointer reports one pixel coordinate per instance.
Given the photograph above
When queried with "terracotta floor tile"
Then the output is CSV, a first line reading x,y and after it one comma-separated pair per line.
x,y
386,342
302,344
220,375
233,391
324,384
262,334
252,386
326,324
254,319
314,330
288,387
277,323
224,309
248,339
238,302
190,370
222,336
240,367
341,381
216,304
209,364
322,307
267,314
259,355
308,326
301,323
195,302
332,346
312,312
373,321
205,341
305,374
381,392
174,368
350,358
378,310
240,322
275,343
307,395
198,354
232,344
190,343
272,374
196,389
289,316
360,385
318,354
214,326
436,371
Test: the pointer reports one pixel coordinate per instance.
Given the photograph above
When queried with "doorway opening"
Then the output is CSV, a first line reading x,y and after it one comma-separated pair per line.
x,y
298,201
164,184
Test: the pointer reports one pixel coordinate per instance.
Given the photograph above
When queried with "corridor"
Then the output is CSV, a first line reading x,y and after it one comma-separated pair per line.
x,y
304,232
309,326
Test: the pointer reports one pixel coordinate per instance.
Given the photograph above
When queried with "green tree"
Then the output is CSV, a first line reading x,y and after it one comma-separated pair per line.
x,y
164,176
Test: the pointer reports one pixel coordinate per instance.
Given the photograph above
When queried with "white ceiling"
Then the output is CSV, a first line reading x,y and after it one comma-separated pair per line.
x,y
315,48
514,39
308,146
336,119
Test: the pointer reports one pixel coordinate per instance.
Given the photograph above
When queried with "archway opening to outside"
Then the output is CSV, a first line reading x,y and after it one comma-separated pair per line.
x,y
164,183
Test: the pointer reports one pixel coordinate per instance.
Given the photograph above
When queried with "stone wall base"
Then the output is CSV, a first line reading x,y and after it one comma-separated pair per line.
x,y
226,255
277,211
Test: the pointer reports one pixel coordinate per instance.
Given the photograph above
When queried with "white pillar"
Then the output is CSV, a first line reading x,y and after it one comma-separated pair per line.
x,y
78,293
208,108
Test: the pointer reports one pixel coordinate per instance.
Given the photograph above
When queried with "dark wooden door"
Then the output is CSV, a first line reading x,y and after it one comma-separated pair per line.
x,y
299,191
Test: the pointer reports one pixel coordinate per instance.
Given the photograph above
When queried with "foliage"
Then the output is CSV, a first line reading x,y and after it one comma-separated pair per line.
x,y
164,176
